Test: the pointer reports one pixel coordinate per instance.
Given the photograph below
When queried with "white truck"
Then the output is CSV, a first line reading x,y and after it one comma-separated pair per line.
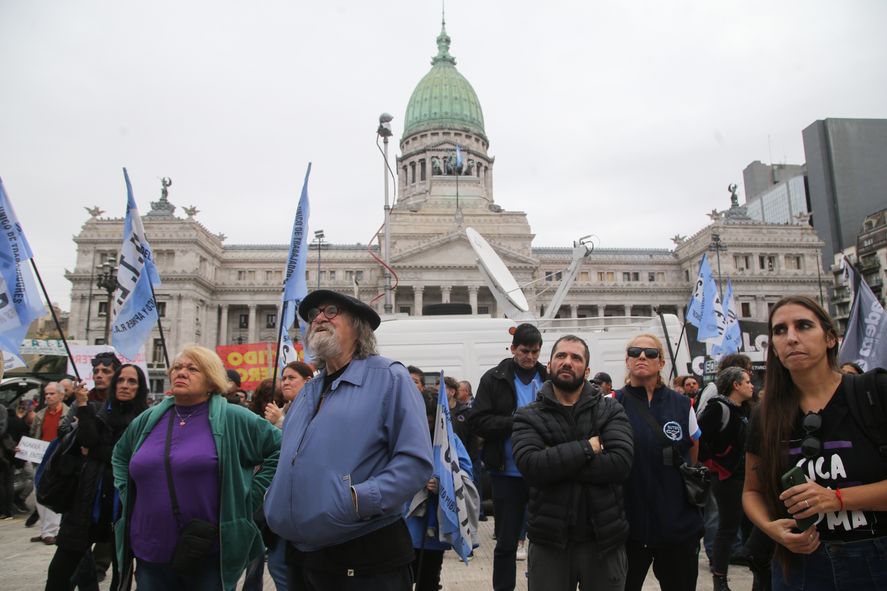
x,y
464,347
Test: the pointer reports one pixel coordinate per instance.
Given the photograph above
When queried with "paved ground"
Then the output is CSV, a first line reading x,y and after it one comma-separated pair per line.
x,y
24,565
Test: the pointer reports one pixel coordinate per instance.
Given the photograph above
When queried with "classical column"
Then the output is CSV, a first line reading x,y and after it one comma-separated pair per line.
x,y
472,298
417,299
600,310
251,333
223,326
574,311
445,294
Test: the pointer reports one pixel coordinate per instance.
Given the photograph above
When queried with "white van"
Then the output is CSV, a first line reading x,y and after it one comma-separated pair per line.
x,y
465,347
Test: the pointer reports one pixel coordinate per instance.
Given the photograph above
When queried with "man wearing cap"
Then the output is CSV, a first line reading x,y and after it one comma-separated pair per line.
x,y
355,448
502,390
604,382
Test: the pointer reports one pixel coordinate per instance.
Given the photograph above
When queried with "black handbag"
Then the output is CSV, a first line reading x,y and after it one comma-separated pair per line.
x,y
197,538
697,479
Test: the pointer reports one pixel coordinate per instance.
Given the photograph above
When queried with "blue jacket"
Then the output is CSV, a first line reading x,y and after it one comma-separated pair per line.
x,y
370,435
656,505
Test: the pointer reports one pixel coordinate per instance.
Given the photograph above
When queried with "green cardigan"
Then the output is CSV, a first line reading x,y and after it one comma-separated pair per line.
x,y
244,441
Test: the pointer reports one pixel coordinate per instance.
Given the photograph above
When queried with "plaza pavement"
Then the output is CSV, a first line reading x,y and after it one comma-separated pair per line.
x,y
23,565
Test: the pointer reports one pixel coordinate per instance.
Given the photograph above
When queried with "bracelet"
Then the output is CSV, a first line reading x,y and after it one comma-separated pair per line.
x,y
840,498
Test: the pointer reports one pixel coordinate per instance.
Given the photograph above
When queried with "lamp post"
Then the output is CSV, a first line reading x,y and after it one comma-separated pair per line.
x,y
384,130
318,240
718,247
106,278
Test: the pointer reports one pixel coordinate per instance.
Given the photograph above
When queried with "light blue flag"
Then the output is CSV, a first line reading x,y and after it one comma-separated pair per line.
x,y
134,309
295,284
704,310
452,511
732,341
458,157
694,307
865,340
20,302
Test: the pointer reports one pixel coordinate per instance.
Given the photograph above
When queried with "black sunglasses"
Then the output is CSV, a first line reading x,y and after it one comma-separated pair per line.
x,y
104,359
811,446
649,352
329,312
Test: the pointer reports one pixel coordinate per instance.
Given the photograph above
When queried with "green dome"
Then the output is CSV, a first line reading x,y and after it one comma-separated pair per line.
x,y
444,98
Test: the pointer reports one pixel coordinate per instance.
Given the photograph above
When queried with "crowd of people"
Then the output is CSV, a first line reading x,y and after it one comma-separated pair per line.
x,y
328,475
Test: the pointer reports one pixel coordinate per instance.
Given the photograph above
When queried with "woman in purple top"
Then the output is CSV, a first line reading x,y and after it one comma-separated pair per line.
x,y
221,458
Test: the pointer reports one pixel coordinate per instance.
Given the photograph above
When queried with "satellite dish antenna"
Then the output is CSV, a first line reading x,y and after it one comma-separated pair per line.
x,y
504,287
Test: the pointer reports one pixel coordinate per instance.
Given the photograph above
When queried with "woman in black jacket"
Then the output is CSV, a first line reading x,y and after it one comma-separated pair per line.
x,y
96,503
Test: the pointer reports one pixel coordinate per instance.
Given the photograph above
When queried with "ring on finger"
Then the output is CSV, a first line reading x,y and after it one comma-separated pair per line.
x,y
807,503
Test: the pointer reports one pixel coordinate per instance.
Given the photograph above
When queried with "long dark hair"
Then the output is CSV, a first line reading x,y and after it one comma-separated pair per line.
x,y
780,408
120,413
264,395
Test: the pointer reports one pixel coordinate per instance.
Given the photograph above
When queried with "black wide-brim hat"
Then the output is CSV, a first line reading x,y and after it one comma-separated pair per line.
x,y
353,305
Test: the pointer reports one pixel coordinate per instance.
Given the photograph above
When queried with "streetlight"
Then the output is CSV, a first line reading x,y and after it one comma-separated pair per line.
x,y
384,130
318,239
106,279
718,247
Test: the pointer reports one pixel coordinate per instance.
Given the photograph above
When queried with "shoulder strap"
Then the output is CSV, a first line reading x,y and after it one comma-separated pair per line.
x,y
168,466
648,416
866,401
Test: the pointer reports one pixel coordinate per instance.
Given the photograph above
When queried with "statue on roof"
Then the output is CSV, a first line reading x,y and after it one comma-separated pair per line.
x,y
734,197
94,211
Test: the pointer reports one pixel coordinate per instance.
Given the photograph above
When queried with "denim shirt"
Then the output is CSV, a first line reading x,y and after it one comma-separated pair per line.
x,y
370,435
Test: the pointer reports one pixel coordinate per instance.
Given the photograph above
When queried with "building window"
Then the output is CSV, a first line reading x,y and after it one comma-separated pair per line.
x,y
244,321
161,309
742,262
103,309
483,309
794,262
404,309
251,275
767,262
412,172
270,320
358,275
583,276
100,341
549,276
745,309
631,276
421,170
660,276
241,275
269,276
157,351
651,276
332,275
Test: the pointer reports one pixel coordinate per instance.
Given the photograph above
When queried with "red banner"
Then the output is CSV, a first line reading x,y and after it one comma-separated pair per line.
x,y
253,361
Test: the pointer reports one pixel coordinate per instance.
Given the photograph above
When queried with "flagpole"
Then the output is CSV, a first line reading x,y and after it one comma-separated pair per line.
x,y
671,354
159,326
55,319
277,349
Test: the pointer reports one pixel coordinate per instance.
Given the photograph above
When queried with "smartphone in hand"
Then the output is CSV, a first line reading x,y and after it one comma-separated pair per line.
x,y
794,477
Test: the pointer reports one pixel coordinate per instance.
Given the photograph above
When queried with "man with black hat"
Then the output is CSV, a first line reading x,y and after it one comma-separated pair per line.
x,y
358,447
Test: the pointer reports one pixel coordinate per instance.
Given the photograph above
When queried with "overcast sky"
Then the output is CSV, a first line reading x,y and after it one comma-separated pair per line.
x,y
626,120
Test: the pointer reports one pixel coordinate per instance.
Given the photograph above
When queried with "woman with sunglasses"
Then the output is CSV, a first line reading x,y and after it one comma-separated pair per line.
x,y
664,528
805,421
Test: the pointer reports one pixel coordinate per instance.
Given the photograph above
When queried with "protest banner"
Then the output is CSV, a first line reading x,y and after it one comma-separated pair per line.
x,y
31,450
253,361
83,354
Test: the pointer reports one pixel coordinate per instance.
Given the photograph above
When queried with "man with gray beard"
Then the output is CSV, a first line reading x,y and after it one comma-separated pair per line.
x,y
355,449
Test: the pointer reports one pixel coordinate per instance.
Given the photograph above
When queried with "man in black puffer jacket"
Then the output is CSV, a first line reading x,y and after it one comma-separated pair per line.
x,y
574,448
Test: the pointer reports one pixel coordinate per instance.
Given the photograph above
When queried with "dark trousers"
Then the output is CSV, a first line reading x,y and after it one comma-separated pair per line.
x,y
104,555
556,569
7,489
510,496
303,579
728,495
160,577
72,568
676,566
426,569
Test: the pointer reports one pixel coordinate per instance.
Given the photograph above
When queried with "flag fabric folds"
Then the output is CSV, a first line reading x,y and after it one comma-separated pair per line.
x,y
20,302
732,341
704,310
452,510
134,309
295,284
865,340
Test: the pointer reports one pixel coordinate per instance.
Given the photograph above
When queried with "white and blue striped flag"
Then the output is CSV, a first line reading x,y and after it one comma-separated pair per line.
x,y
134,309
732,341
452,510
295,284
704,310
20,302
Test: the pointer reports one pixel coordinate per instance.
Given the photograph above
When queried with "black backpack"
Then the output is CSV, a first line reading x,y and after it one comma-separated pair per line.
x,y
59,473
866,395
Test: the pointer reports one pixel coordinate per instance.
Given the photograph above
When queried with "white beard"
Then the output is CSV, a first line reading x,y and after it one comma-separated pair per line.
x,y
324,344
